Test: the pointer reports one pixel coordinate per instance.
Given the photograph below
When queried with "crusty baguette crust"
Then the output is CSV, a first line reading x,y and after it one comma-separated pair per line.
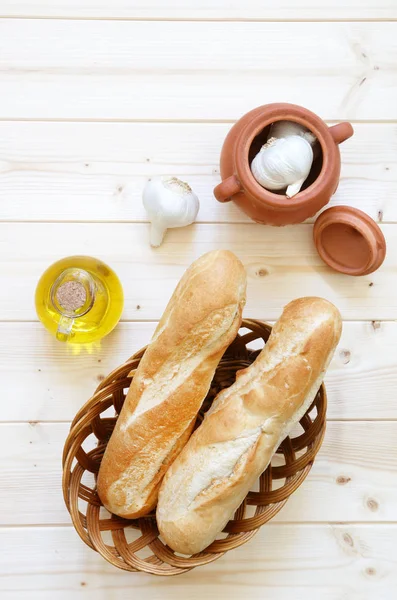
x,y
245,425
171,382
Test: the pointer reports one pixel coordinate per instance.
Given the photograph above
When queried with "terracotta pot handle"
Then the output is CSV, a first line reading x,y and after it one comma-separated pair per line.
x,y
341,132
225,190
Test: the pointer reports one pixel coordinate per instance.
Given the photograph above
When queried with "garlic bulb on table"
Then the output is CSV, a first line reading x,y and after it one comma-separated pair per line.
x,y
169,203
286,158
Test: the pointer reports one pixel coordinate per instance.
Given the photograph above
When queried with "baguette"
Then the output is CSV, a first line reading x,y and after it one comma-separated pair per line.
x,y
171,382
245,425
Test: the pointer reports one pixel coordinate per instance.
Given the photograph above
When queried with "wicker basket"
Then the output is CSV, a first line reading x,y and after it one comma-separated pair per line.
x,y
111,536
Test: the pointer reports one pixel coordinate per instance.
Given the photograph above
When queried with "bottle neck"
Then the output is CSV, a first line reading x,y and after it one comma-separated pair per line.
x,y
73,293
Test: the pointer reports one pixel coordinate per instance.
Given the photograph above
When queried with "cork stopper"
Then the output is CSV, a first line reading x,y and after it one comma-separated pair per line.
x,y
71,295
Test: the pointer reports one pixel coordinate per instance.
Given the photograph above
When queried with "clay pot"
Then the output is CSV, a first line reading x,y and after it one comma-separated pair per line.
x,y
244,141
349,241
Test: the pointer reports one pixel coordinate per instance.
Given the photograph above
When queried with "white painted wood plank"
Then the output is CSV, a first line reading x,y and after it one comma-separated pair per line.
x,y
353,478
283,561
194,9
58,379
96,171
56,69
282,264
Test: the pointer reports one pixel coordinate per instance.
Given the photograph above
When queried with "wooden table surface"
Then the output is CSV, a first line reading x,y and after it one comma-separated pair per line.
x,y
95,97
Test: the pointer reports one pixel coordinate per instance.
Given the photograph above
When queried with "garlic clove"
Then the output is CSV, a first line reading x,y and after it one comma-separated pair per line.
x,y
169,202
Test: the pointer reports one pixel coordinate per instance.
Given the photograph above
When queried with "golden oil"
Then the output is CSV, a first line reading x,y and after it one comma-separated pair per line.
x,y
79,299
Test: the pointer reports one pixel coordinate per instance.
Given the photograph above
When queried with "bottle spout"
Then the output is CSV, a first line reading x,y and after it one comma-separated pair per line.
x,y
72,296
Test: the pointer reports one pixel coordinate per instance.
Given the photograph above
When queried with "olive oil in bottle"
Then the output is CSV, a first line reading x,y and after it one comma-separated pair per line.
x,y
79,299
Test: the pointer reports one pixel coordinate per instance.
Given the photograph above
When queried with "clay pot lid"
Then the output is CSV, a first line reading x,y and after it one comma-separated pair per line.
x,y
349,241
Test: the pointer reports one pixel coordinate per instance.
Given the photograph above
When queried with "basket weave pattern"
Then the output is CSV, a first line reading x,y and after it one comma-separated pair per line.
x,y
90,427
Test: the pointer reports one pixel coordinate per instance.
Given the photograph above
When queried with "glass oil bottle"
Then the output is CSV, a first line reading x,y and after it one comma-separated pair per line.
x,y
79,299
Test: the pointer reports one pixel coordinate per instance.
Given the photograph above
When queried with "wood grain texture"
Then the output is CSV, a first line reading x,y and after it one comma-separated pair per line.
x,y
84,69
97,171
58,379
192,9
93,102
282,562
354,477
281,264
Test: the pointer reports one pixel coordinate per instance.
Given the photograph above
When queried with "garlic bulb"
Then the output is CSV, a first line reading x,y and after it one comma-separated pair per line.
x,y
286,159
283,129
169,203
